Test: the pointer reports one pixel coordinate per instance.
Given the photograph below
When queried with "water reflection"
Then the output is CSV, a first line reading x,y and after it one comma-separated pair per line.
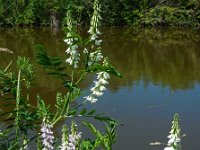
x,y
168,57
161,76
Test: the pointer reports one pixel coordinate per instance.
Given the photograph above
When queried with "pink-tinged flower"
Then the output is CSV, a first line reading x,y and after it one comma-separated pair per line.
x,y
70,141
47,136
73,140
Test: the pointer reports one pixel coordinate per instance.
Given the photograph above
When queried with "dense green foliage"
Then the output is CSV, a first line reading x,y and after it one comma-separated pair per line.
x,y
23,122
121,12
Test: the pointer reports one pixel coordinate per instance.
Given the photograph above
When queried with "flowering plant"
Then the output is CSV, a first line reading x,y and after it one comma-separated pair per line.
x,y
83,57
174,142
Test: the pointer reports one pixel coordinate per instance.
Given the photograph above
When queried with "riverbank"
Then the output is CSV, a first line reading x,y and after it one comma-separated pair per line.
x,y
120,13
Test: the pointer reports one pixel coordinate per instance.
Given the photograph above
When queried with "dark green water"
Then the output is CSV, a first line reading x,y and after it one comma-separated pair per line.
x,y
161,77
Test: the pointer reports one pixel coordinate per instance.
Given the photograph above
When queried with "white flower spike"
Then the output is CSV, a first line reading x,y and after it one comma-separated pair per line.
x,y
99,87
70,141
72,49
174,137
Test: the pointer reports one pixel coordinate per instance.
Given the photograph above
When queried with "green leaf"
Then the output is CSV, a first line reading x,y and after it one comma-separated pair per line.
x,y
72,112
60,68
109,69
42,57
91,127
74,35
83,112
103,118
113,71
53,64
86,145
91,112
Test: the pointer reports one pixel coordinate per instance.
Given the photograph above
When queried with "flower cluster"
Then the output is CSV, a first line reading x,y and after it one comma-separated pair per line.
x,y
95,57
70,142
95,22
174,137
72,50
64,138
47,136
99,87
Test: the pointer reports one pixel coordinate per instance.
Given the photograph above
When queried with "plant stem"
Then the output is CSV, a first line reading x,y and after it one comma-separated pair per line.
x,y
17,107
64,109
8,66
81,78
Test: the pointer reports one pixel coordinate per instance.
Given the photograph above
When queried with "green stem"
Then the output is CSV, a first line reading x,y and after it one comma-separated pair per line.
x,y
17,107
72,77
8,66
66,104
25,141
87,58
64,109
81,78
81,104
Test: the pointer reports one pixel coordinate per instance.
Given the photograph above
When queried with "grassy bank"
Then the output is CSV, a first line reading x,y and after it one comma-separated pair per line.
x,y
118,13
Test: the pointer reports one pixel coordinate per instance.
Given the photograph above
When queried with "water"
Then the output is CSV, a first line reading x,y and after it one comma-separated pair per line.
x,y
161,77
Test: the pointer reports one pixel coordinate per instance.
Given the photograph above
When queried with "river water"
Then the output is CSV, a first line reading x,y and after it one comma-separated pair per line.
x,y
161,77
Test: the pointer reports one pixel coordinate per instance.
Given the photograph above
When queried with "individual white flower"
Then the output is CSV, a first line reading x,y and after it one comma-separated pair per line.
x,y
103,75
69,40
97,92
93,37
91,99
99,56
98,42
103,81
99,87
47,136
173,139
85,51
102,88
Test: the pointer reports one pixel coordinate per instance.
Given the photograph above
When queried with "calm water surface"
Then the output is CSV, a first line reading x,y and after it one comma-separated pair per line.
x,y
161,77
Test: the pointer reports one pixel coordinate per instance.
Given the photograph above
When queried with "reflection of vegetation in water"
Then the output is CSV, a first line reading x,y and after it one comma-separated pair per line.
x,y
22,43
169,57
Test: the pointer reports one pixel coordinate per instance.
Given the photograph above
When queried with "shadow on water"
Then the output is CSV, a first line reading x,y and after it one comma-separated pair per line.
x,y
160,70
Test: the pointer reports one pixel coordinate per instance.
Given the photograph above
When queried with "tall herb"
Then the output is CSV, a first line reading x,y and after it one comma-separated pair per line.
x,y
29,123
